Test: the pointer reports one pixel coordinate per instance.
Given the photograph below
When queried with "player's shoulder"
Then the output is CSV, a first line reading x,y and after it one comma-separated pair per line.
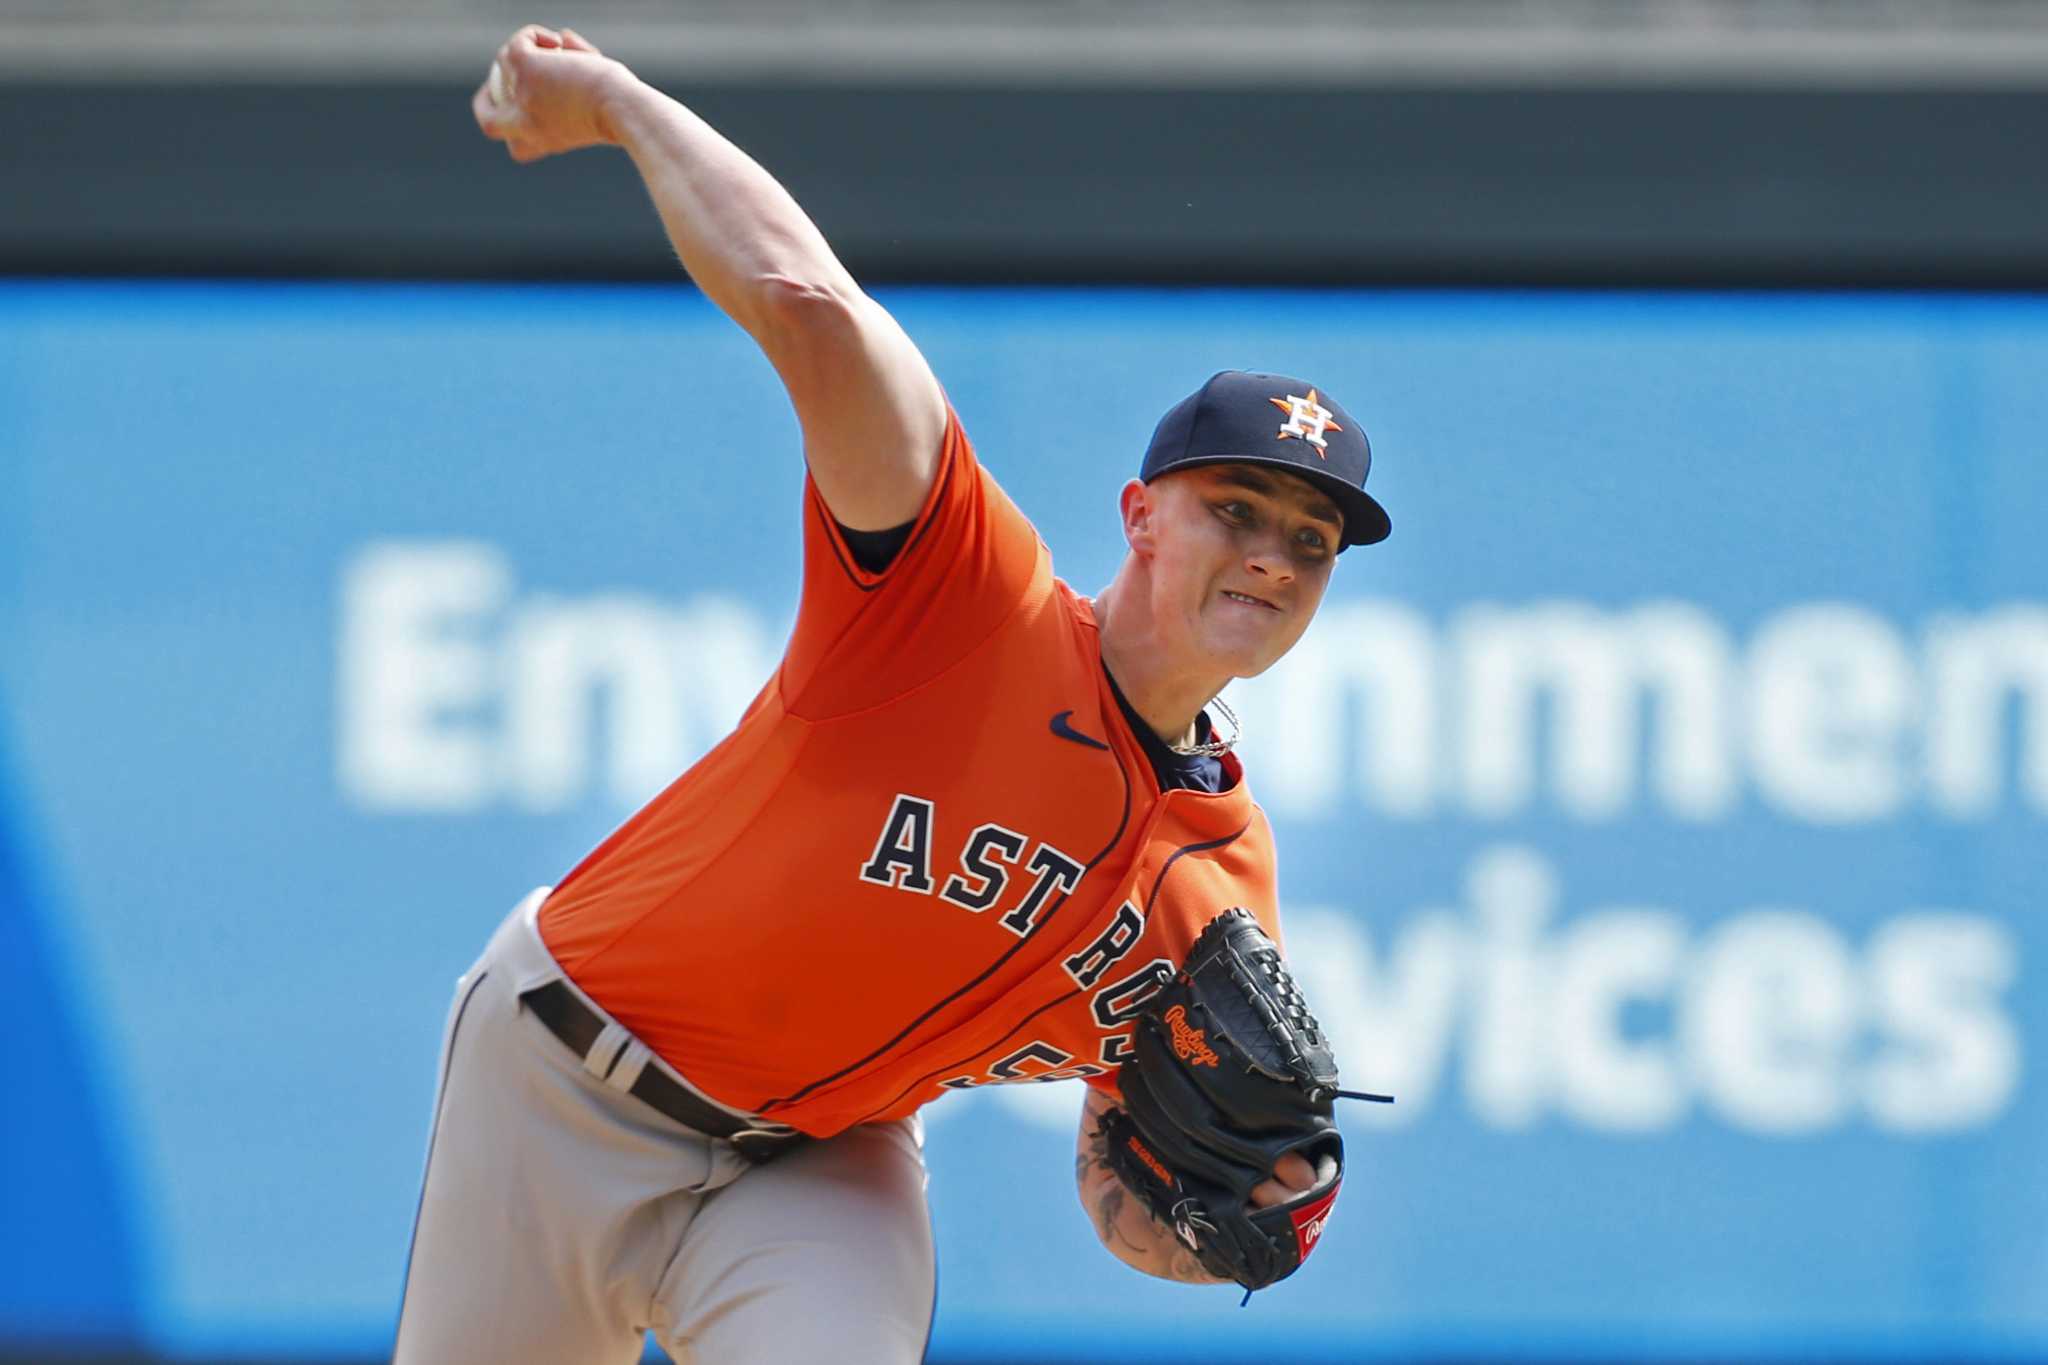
x,y
1078,610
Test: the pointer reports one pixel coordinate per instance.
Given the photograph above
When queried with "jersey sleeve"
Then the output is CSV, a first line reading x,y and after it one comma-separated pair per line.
x,y
862,638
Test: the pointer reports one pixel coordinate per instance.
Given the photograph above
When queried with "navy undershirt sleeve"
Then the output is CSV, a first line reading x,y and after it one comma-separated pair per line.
x,y
876,550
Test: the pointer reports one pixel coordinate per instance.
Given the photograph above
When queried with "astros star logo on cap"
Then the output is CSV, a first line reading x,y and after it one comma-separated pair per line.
x,y
1306,418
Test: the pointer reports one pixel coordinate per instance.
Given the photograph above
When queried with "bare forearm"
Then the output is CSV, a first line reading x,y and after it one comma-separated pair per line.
x,y
1126,1228
739,233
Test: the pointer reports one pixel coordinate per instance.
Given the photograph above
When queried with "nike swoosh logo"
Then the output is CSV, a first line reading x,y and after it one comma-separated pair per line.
x,y
1066,731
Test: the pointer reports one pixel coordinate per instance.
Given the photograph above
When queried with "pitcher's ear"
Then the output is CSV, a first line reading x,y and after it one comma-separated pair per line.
x,y
1139,505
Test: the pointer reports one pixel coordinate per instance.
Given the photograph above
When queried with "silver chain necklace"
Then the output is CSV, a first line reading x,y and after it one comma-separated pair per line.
x,y
1214,748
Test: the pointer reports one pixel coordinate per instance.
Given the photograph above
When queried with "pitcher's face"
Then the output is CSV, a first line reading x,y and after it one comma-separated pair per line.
x,y
1241,556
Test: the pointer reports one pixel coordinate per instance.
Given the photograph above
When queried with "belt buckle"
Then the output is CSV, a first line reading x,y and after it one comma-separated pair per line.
x,y
761,1145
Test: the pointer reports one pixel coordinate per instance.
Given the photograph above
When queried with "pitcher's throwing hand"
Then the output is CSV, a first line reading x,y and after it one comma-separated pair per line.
x,y
546,93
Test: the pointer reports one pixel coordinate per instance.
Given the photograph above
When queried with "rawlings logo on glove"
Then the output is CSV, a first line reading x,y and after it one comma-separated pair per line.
x,y
1229,1073
1188,1043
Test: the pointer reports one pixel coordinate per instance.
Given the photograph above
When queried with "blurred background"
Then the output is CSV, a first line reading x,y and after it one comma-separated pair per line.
x,y
1661,809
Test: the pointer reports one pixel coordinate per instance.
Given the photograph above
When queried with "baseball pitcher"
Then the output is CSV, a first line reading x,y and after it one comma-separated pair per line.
x,y
976,829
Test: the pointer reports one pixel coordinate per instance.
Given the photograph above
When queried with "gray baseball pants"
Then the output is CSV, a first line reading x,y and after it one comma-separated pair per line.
x,y
561,1218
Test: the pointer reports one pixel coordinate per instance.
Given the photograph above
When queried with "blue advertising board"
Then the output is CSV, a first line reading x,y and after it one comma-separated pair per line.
x,y
1661,810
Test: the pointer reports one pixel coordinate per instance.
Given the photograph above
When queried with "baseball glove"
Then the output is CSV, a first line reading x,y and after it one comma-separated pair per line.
x,y
1229,1072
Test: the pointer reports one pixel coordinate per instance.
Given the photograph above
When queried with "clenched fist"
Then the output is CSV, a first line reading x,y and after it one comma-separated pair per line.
x,y
547,92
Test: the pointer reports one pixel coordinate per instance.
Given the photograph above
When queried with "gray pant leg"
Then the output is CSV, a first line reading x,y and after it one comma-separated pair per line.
x,y
552,1204
824,1254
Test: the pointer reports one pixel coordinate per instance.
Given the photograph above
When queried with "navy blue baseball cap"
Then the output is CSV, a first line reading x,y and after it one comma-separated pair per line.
x,y
1243,417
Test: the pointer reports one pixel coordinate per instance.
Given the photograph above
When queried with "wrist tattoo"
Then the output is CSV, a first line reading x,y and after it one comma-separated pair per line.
x,y
1125,1226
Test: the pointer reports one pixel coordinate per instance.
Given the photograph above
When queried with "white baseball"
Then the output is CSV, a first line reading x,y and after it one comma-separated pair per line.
x,y
500,85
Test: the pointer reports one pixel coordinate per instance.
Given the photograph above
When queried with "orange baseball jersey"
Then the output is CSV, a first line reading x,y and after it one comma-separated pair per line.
x,y
931,856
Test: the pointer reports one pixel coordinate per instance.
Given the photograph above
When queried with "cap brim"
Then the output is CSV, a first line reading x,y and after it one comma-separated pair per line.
x,y
1365,521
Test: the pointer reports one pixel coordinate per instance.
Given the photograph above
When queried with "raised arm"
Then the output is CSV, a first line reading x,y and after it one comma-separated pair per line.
x,y
872,413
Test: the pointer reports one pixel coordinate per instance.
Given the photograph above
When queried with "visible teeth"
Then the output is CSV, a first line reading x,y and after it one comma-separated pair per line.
x,y
1242,598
